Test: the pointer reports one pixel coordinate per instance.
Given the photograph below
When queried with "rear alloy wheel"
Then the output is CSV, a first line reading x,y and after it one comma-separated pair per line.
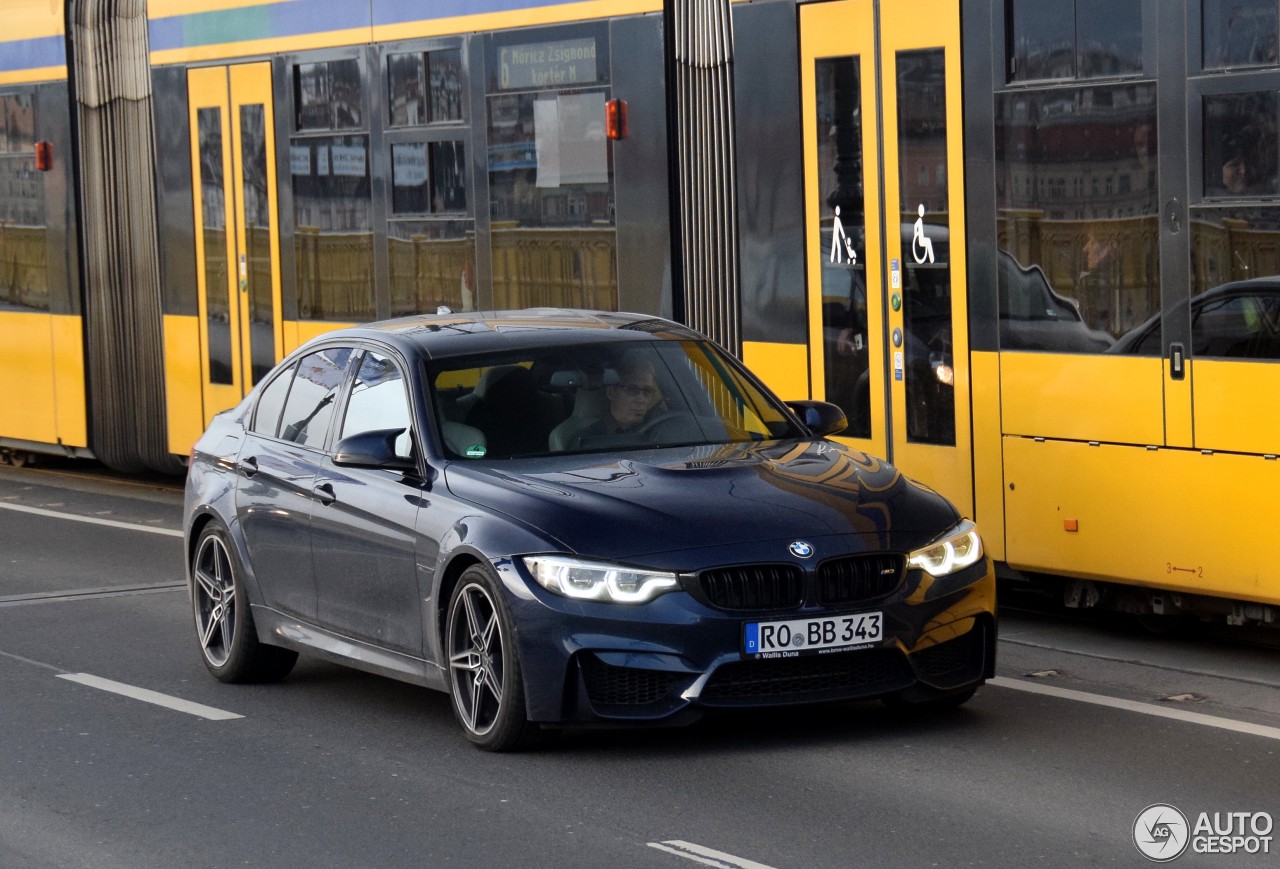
x,y
484,670
224,625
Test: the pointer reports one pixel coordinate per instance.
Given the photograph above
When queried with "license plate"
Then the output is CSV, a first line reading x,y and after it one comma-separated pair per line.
x,y
795,637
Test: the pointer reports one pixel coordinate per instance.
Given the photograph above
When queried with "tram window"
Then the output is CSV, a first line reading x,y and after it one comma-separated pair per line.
x,y
334,236
924,234
545,148
1077,210
1108,37
842,216
448,177
428,178
266,418
24,259
1240,144
431,263
1230,324
1239,33
312,96
425,88
410,183
328,95
17,124
406,82
550,167
1066,39
445,80
1229,245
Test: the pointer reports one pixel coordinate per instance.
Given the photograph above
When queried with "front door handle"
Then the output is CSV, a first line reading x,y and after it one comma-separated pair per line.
x,y
324,493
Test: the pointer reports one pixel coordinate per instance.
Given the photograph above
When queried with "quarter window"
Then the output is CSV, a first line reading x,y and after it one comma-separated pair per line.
x,y
266,419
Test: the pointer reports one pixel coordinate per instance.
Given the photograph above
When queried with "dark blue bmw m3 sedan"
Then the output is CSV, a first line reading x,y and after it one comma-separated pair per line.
x,y
571,518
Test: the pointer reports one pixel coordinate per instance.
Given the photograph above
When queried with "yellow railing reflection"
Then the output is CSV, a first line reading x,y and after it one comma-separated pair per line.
x,y
1110,267
24,266
335,274
531,267
429,272
1231,250
562,268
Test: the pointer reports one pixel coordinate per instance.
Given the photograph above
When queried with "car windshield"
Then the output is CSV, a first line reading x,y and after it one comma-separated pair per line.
x,y
599,398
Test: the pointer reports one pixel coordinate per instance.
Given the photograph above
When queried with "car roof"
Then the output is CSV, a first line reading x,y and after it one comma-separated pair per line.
x,y
448,334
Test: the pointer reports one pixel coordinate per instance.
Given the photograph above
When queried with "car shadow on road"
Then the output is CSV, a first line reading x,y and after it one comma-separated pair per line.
x,y
349,698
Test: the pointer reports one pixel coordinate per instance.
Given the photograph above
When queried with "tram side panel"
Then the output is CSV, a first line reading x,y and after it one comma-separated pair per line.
x,y
1134,374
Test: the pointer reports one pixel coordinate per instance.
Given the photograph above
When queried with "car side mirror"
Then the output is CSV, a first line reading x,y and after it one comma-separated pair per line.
x,y
820,417
373,449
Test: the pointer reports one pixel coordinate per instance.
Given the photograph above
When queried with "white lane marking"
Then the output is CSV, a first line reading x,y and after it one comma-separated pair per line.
x,y
1142,708
87,594
110,523
706,856
148,696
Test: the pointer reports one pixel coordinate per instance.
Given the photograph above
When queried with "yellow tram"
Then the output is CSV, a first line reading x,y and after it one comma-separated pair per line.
x,y
1031,249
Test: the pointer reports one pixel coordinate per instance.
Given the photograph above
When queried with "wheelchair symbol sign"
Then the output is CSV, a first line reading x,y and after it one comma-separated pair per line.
x,y
921,246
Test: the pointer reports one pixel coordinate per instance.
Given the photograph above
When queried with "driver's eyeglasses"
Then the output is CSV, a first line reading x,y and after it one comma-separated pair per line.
x,y
631,390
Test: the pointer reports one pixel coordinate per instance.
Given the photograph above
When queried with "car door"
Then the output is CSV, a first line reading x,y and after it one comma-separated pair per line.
x,y
277,467
362,521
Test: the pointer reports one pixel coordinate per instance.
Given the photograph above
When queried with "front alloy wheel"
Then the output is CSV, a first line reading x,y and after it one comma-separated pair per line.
x,y
484,672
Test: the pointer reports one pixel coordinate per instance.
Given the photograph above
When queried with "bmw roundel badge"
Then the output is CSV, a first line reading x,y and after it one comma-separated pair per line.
x,y
800,549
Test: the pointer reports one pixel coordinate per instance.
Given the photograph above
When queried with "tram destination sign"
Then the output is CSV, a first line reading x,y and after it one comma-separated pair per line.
x,y
548,64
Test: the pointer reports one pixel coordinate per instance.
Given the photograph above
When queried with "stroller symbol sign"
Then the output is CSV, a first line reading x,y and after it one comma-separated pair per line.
x,y
840,243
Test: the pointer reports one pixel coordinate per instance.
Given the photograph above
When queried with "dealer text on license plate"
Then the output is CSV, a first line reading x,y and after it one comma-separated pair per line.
x,y
800,636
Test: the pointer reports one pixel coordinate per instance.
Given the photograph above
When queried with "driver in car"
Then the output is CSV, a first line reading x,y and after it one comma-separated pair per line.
x,y
633,400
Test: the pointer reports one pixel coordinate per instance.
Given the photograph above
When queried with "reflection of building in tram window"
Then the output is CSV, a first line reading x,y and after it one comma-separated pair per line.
x,y
1240,144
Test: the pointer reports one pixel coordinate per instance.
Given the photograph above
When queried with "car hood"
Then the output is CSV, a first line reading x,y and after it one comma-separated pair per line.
x,y
690,498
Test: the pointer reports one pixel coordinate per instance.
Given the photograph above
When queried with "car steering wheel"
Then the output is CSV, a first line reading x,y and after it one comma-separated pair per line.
x,y
675,425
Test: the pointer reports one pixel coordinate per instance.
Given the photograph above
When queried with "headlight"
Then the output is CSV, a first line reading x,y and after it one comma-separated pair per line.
x,y
592,580
960,548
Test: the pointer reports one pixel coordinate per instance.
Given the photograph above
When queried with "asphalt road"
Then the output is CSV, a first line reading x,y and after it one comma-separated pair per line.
x,y
338,768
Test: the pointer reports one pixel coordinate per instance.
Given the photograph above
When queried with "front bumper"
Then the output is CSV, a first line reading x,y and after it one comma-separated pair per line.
x,y
670,659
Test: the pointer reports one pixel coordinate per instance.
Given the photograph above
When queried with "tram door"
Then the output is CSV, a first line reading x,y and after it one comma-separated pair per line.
x,y
884,198
237,241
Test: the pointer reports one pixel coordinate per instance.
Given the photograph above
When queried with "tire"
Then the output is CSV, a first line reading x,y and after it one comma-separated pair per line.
x,y
485,683
228,640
